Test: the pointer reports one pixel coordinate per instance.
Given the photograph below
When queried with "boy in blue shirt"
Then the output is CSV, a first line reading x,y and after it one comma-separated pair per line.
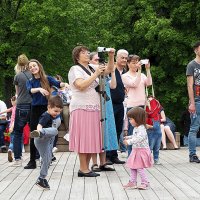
x,y
44,136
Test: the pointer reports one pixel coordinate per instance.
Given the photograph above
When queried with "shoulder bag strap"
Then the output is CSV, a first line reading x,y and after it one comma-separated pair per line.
x,y
84,69
147,94
26,76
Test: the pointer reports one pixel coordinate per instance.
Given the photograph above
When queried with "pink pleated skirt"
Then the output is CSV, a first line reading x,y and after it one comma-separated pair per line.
x,y
140,158
85,131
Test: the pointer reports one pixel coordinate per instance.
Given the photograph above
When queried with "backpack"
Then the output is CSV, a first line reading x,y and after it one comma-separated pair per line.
x,y
153,109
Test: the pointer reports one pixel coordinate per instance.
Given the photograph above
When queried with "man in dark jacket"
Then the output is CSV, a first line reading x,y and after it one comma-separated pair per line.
x,y
117,96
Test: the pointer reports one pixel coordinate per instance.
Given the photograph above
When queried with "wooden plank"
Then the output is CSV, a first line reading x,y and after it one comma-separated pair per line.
x,y
176,178
36,192
66,180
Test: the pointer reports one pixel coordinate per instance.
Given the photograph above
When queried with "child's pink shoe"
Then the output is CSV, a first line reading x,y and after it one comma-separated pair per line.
x,y
130,185
144,186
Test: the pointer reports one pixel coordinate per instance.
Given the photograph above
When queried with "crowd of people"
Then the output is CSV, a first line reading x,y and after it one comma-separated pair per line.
x,y
103,110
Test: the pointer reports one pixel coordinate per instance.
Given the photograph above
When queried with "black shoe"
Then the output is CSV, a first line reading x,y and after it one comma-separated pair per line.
x,y
89,174
46,183
117,161
95,168
194,158
105,168
43,183
108,162
3,149
53,159
30,165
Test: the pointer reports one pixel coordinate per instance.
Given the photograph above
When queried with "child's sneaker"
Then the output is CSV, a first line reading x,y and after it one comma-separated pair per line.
x,y
35,133
157,162
143,186
10,158
43,183
130,185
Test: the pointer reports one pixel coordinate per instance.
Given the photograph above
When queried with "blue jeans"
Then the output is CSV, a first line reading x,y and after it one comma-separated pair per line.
x,y
11,142
185,141
2,130
22,116
154,137
194,128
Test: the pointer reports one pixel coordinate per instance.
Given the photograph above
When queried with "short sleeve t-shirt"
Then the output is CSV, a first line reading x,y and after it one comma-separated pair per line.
x,y
20,80
46,120
193,69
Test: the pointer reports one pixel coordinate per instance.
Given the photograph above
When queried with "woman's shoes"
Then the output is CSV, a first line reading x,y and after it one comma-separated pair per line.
x,y
106,168
95,168
176,148
89,174
164,148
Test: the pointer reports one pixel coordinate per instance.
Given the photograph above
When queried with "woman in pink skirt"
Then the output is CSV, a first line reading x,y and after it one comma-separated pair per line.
x,y
85,127
140,156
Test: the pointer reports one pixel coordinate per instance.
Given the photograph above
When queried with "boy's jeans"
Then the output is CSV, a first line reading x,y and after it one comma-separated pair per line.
x,y
154,137
194,128
44,147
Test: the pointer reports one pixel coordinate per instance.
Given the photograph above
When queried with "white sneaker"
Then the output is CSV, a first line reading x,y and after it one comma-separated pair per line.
x,y
123,155
17,163
157,162
55,149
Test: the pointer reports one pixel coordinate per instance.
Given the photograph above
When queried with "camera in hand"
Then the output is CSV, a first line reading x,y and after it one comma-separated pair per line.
x,y
103,49
144,61
101,53
103,93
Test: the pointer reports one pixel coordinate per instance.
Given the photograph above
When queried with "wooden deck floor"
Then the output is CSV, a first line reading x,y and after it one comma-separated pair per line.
x,y
176,178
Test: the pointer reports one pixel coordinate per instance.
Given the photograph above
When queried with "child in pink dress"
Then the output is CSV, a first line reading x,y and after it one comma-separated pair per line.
x,y
140,156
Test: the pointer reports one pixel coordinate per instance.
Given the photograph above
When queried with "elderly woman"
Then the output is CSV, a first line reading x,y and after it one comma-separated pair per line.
x,y
85,127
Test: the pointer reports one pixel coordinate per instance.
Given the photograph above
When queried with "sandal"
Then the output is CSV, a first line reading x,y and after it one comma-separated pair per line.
x,y
106,168
95,168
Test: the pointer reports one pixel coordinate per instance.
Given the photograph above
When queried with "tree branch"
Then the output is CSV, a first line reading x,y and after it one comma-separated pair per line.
x,y
16,11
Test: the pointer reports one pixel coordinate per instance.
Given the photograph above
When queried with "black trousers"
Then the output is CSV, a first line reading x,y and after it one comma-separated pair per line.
x,y
36,112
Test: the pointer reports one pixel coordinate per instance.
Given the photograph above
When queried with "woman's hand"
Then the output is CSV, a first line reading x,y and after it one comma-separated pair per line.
x,y
100,70
111,52
43,92
139,65
11,129
147,66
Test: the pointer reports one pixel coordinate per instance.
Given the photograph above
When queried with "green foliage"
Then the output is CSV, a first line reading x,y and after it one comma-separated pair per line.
x,y
48,30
